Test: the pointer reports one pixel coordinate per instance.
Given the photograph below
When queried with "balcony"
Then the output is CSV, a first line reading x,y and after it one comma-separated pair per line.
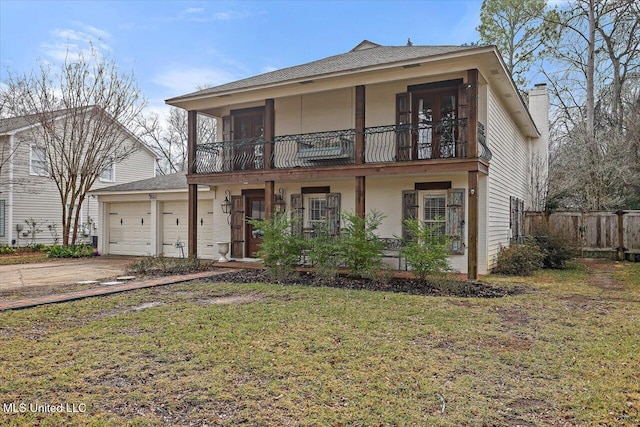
x,y
382,144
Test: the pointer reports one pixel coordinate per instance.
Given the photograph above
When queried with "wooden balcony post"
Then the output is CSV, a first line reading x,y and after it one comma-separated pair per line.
x,y
472,113
360,124
360,196
269,199
193,220
474,226
192,138
359,148
269,132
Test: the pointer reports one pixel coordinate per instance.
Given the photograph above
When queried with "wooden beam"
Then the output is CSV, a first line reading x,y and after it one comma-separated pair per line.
x,y
193,220
269,198
474,226
360,196
472,114
360,123
269,132
418,167
192,140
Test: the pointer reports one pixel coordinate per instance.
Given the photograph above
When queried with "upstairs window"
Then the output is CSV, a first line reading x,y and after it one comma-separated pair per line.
x,y
38,162
109,173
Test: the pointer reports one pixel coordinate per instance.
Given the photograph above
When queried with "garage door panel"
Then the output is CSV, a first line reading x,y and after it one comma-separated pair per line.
x,y
175,230
130,229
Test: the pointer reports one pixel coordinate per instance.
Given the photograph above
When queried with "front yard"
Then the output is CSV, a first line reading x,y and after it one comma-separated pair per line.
x,y
565,352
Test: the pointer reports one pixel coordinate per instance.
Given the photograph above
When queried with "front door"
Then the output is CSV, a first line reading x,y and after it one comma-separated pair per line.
x,y
435,113
247,129
255,210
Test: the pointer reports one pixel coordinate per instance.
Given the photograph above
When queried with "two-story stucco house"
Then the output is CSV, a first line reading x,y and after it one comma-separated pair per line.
x,y
438,133
29,194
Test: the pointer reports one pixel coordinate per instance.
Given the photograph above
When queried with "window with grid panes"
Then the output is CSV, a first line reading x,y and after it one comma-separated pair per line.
x,y
435,208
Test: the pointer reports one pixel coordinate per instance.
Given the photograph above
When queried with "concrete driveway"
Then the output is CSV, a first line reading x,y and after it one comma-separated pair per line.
x,y
61,272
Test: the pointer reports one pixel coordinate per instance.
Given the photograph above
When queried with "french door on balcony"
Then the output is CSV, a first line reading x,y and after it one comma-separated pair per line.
x,y
245,150
427,120
434,112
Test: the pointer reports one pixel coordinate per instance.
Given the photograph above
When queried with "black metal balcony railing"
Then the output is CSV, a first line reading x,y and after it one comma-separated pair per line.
x,y
314,149
383,144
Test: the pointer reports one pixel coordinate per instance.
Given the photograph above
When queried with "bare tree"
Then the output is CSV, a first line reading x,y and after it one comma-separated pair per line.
x,y
168,137
82,110
595,63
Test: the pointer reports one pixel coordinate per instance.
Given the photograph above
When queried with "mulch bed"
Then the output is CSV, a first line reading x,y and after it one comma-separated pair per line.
x,y
440,287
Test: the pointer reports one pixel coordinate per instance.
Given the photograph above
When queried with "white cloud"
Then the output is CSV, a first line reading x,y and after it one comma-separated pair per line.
x,y
71,42
181,79
97,32
200,14
193,10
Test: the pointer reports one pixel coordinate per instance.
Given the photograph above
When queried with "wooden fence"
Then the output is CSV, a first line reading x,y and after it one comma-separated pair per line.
x,y
600,234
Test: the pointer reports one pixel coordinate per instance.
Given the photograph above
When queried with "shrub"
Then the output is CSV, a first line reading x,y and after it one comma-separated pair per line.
x,y
6,250
359,246
324,252
427,251
519,259
280,247
77,251
558,246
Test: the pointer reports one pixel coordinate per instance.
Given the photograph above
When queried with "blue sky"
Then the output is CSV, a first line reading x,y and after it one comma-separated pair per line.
x,y
174,46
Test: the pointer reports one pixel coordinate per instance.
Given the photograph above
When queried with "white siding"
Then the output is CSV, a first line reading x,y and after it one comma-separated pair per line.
x,y
507,173
37,197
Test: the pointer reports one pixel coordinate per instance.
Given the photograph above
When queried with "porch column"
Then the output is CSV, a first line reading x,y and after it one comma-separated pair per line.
x,y
192,117
474,227
360,196
269,132
269,198
360,124
359,149
472,113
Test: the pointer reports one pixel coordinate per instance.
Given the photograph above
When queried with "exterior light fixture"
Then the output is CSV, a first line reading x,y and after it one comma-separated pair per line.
x,y
226,205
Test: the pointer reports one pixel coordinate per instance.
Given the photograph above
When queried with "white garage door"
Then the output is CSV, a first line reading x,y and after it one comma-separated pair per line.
x,y
130,229
175,229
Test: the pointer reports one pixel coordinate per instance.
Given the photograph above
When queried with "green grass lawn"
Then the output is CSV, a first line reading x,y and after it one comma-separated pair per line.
x,y
567,352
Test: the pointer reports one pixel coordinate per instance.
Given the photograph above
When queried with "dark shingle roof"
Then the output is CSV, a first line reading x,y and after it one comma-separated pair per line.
x,y
365,55
174,181
13,123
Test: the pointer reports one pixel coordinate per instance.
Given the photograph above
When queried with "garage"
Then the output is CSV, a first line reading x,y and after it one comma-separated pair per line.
x,y
130,229
175,228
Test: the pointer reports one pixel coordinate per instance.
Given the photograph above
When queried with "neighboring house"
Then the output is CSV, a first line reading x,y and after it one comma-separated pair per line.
x,y
29,194
431,132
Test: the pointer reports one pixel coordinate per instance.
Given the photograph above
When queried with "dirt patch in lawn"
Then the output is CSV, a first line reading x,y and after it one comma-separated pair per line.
x,y
231,299
602,274
440,287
